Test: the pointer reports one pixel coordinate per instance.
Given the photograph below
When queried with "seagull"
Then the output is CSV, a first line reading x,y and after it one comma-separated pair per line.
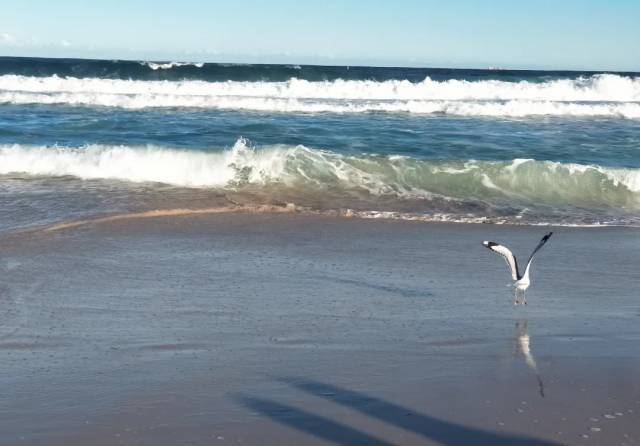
x,y
522,281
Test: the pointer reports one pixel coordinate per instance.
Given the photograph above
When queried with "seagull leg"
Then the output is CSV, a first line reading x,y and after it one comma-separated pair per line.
x,y
524,298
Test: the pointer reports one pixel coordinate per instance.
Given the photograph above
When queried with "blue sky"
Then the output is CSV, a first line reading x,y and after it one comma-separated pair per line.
x,y
561,34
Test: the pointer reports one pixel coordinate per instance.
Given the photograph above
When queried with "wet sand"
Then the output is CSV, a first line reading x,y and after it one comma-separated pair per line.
x,y
288,329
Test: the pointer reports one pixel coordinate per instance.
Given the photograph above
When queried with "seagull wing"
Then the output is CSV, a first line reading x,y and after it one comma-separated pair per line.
x,y
507,255
540,245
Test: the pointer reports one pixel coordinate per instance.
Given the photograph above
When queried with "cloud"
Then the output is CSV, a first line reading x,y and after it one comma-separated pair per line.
x,y
7,39
65,43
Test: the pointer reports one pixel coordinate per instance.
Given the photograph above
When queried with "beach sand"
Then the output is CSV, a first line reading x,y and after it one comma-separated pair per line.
x,y
301,330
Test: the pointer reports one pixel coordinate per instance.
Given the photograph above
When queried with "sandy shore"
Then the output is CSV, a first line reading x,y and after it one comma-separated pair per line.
x,y
285,329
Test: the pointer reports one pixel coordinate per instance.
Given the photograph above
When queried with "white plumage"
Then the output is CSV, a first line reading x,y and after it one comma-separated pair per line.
x,y
522,281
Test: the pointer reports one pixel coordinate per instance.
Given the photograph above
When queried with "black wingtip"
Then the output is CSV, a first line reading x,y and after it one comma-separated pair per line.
x,y
546,238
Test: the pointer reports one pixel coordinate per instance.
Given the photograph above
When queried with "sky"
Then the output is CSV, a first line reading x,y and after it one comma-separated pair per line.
x,y
536,34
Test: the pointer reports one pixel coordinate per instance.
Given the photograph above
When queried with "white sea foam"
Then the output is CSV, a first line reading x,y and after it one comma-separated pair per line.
x,y
140,164
302,170
169,65
599,95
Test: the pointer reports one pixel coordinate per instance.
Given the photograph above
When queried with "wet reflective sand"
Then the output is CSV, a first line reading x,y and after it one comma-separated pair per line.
x,y
283,329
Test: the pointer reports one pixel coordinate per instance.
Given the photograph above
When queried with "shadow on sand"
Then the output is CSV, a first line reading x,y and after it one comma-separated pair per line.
x,y
404,292
309,423
431,428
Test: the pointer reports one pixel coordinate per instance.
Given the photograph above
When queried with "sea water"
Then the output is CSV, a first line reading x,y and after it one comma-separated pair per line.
x,y
91,137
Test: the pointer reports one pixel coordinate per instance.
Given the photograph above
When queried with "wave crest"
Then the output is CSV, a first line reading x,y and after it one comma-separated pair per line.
x,y
300,173
168,65
598,95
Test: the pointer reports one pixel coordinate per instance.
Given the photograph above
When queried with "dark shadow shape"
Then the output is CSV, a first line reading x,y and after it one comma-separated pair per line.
x,y
404,292
540,385
440,431
309,423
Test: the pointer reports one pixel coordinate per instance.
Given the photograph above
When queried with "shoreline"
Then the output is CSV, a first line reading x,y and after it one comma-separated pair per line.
x,y
291,209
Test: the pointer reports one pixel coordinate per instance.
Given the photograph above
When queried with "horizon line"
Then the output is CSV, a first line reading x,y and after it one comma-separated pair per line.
x,y
497,68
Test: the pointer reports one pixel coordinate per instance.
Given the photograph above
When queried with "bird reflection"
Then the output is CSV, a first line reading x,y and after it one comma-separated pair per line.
x,y
523,345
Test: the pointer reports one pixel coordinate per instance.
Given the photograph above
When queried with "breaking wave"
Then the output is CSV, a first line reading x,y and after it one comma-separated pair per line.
x,y
598,95
467,188
169,65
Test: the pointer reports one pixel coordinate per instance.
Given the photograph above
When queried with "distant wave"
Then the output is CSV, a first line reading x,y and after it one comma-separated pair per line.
x,y
169,65
598,88
606,95
304,173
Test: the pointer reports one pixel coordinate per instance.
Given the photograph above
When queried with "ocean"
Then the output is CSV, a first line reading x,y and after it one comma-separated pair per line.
x,y
82,138
278,323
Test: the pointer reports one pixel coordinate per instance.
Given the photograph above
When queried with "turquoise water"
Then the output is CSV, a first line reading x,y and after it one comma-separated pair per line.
x,y
84,137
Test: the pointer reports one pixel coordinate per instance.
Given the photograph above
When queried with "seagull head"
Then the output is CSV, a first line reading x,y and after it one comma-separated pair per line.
x,y
489,245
